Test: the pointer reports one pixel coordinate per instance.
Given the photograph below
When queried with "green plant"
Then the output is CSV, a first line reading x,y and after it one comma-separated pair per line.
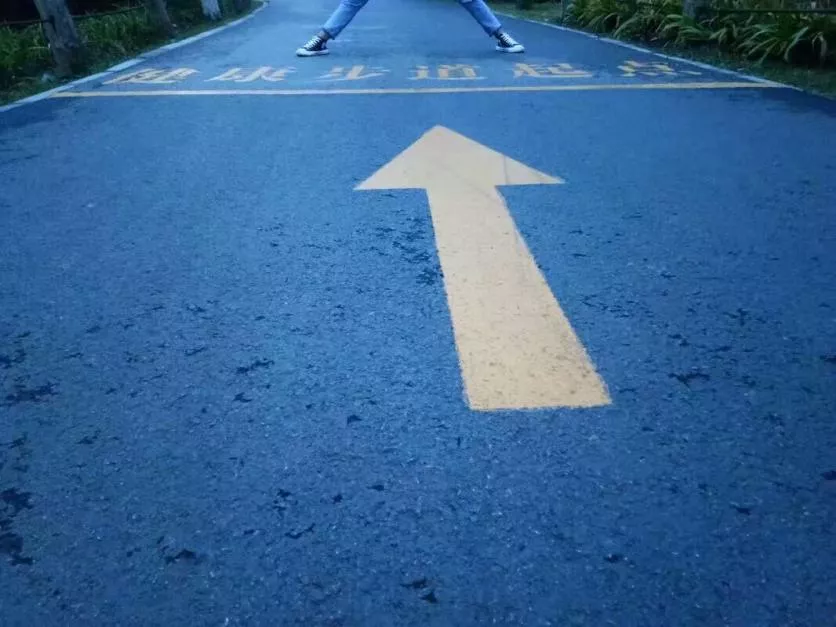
x,y
110,36
23,52
683,30
726,30
647,19
575,12
605,16
789,37
185,13
816,38
800,51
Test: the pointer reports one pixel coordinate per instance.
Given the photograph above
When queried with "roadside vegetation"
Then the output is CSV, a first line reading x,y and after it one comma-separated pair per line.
x,y
777,39
123,31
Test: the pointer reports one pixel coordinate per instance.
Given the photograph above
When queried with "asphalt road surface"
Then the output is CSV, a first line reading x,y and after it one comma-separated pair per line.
x,y
417,334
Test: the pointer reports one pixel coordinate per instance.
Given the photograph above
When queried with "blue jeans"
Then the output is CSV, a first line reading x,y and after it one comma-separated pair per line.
x,y
349,8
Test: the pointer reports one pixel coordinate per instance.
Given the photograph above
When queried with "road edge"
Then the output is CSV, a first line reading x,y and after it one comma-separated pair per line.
x,y
650,51
129,63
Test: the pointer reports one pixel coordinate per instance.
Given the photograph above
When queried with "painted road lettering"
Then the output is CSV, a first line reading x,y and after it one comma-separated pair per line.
x,y
354,73
516,347
631,69
454,72
554,70
152,76
442,72
265,73
418,91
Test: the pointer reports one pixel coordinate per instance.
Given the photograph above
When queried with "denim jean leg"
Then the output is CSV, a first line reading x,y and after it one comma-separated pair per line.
x,y
342,16
482,14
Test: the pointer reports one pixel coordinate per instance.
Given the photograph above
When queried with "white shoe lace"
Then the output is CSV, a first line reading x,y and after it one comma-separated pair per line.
x,y
313,43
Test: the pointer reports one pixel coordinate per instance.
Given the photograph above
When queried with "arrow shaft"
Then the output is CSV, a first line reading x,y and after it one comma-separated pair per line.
x,y
516,347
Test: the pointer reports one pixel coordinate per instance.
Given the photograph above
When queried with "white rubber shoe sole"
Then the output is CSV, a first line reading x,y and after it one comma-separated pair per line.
x,y
513,49
302,52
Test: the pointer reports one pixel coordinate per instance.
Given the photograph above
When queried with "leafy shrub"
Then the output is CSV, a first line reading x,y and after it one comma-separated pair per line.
x,y
185,13
794,38
790,37
111,36
601,16
23,53
725,30
683,30
647,19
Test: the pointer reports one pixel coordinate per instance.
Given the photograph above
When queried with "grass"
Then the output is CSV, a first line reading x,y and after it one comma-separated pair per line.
x,y
550,12
821,81
546,12
110,40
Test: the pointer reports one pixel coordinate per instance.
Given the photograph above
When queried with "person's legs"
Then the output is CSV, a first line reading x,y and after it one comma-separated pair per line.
x,y
342,17
348,9
335,24
482,13
487,19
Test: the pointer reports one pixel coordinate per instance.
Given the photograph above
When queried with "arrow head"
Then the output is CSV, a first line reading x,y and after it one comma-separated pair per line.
x,y
442,157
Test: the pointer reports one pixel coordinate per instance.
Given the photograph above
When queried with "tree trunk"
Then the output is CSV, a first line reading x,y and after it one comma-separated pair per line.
x,y
159,15
694,8
61,33
211,9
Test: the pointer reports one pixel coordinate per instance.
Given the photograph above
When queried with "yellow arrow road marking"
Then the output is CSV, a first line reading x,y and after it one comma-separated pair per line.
x,y
516,347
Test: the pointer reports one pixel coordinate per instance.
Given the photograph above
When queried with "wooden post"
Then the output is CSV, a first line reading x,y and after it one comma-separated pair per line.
x,y
64,42
159,15
694,8
211,9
